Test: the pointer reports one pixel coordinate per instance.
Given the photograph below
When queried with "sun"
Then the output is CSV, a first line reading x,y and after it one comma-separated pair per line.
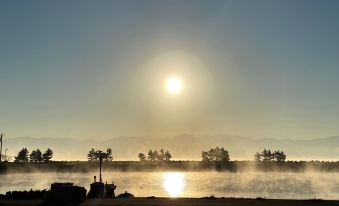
x,y
173,85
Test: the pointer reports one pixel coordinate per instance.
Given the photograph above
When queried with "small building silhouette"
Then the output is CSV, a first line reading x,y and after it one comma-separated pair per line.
x,y
65,193
99,189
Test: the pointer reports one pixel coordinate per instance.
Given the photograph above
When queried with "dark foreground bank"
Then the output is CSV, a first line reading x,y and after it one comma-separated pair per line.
x,y
183,202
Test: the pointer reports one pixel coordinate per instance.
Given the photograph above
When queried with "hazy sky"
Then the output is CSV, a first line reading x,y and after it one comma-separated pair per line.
x,y
97,69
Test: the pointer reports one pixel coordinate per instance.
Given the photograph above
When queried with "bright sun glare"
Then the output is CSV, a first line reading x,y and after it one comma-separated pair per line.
x,y
173,85
173,183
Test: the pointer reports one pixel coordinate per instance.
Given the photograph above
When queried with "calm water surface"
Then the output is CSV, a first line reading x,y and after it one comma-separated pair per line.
x,y
192,184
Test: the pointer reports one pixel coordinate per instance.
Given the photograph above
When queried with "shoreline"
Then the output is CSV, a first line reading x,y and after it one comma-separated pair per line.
x,y
167,201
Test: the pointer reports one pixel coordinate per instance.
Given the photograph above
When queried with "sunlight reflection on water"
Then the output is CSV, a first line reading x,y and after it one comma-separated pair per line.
x,y
281,185
174,183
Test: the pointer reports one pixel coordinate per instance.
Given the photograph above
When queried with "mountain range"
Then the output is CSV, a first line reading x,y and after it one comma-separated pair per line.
x,y
183,147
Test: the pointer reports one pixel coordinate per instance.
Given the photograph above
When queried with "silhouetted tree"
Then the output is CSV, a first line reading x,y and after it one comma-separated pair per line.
x,y
279,156
168,156
257,156
91,155
224,156
160,156
100,155
151,156
267,155
38,155
95,155
154,155
109,156
22,155
205,156
31,156
35,156
47,156
215,155
142,157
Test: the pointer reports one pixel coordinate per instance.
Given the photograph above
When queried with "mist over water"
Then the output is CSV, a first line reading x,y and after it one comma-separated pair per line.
x,y
281,185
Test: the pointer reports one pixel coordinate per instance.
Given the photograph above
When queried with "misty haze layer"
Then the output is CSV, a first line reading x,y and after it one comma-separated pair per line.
x,y
306,185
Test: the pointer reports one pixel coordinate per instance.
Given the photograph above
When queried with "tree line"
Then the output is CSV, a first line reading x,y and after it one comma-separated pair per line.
x,y
221,155
269,156
154,155
35,156
216,155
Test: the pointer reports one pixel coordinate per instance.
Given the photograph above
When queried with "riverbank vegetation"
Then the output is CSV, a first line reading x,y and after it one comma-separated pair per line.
x,y
34,156
216,158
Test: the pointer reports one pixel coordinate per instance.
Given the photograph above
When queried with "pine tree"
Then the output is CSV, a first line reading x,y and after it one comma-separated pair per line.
x,y
22,155
47,156
35,156
168,156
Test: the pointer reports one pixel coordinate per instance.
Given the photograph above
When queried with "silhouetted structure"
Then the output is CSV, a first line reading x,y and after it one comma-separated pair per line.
x,y
99,189
65,193
109,190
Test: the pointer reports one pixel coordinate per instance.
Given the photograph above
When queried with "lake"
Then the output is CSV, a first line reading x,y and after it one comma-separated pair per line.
x,y
281,185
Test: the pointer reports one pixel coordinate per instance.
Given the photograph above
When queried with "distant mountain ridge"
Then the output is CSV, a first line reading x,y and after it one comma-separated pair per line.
x,y
185,147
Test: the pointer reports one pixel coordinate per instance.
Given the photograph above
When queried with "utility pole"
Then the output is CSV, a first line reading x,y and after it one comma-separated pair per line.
x,y
1,146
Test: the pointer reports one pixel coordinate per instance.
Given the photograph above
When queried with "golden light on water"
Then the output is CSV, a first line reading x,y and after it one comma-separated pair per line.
x,y
173,183
173,85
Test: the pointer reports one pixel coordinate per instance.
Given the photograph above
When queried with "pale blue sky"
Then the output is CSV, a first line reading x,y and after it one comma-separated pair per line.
x,y
95,69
